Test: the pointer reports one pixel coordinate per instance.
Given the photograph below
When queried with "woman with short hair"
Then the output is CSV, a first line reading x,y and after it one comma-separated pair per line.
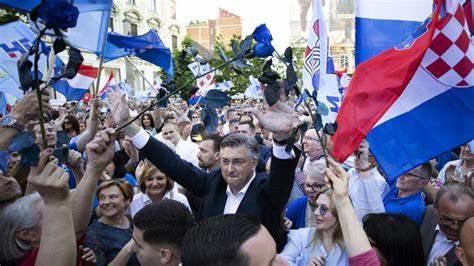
x,y
154,186
113,230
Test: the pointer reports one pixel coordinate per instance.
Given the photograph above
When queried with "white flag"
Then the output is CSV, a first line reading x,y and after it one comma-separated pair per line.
x,y
254,91
318,71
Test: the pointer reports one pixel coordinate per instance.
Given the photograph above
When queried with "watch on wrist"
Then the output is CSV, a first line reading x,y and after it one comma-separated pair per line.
x,y
11,122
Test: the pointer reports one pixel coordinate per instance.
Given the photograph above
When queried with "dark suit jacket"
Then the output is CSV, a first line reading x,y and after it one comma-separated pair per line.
x,y
266,196
428,235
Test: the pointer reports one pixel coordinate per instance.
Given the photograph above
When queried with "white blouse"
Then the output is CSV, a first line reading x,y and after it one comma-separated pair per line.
x,y
140,200
301,248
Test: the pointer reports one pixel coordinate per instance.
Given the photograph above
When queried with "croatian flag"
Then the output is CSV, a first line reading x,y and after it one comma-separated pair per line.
x,y
415,101
74,89
382,24
318,72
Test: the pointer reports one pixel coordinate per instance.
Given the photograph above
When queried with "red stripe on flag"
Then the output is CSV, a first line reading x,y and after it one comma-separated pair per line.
x,y
376,85
89,71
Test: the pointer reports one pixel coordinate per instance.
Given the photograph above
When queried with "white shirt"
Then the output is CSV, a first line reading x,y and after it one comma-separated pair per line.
x,y
301,247
367,194
187,150
225,128
441,245
140,200
233,201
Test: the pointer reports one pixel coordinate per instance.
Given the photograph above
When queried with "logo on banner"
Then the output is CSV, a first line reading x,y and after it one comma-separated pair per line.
x,y
448,57
312,61
11,49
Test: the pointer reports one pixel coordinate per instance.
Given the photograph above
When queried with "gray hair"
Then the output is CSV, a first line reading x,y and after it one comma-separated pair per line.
x,y
456,192
316,168
19,215
235,140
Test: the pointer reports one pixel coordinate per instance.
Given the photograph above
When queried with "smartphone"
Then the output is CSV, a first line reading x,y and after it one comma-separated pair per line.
x,y
61,154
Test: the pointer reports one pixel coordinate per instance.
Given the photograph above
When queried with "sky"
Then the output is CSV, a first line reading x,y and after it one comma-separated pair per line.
x,y
275,13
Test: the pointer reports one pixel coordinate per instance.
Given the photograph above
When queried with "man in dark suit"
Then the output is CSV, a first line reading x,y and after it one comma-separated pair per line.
x,y
454,204
235,187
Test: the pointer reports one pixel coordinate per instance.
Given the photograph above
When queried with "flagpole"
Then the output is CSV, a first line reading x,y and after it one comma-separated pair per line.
x,y
101,60
141,74
182,87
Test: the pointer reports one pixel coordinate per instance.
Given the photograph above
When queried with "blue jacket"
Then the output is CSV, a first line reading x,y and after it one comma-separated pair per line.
x,y
296,212
412,206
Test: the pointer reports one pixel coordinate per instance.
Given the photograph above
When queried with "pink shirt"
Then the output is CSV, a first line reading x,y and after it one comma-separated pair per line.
x,y
368,258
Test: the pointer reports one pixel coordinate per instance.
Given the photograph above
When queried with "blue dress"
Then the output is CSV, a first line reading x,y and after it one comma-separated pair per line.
x,y
107,241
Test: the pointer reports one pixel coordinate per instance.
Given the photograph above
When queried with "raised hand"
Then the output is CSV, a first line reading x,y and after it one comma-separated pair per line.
x,y
74,159
100,151
50,180
118,106
279,119
28,107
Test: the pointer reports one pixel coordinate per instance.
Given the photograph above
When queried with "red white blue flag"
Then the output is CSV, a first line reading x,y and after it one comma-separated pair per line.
x,y
415,101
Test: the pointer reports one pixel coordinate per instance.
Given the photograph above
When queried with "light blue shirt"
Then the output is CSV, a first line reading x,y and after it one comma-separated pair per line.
x,y
300,249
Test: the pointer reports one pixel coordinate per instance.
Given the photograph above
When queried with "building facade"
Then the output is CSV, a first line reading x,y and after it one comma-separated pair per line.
x,y
136,17
224,27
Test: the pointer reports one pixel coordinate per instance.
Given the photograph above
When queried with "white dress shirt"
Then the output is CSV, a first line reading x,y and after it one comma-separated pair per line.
x,y
187,150
367,194
233,201
441,245
141,199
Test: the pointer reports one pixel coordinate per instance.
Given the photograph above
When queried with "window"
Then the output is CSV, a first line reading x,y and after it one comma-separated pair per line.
x,y
129,28
174,42
131,2
153,6
173,12
111,24
344,61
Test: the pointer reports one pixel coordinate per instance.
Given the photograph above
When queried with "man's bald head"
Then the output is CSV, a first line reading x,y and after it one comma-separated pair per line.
x,y
465,252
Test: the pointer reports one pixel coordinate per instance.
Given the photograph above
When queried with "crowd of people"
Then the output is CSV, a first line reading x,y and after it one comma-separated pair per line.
x,y
166,191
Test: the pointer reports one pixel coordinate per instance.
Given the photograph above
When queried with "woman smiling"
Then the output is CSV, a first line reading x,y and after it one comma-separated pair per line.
x,y
319,245
107,235
154,186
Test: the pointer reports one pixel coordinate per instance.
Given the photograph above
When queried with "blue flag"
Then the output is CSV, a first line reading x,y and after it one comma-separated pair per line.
x,y
15,40
148,47
3,103
92,21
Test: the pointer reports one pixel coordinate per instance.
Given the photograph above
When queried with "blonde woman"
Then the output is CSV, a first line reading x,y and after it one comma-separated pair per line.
x,y
154,186
319,245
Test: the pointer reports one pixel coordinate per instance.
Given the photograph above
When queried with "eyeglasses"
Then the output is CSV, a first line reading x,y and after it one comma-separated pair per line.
x,y
449,222
315,187
310,138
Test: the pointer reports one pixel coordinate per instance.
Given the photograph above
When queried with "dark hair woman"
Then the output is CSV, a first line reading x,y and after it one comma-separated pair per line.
x,y
395,238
